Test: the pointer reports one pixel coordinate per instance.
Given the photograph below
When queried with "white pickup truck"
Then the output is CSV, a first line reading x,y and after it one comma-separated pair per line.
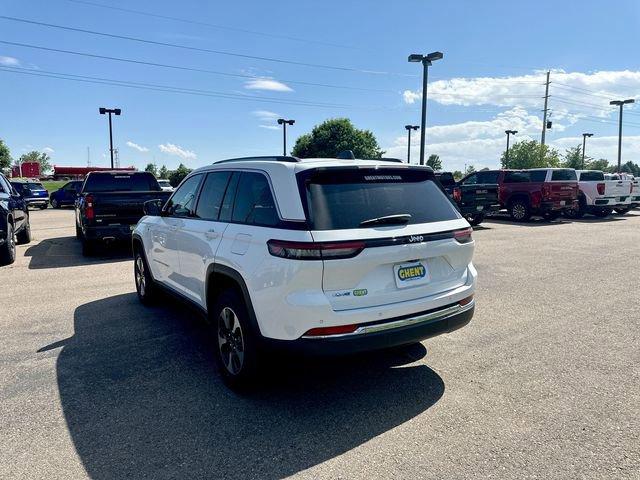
x,y
626,184
600,195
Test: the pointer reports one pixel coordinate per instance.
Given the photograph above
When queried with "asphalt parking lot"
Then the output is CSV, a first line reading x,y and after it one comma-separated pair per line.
x,y
544,383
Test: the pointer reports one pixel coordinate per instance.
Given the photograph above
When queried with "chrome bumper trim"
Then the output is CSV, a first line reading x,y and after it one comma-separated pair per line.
x,y
380,327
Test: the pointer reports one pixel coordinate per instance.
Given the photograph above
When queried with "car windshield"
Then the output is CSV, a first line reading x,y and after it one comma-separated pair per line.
x,y
164,183
121,182
361,197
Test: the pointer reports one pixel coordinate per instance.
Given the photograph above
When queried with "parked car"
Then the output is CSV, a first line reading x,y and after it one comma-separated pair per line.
x,y
545,192
477,195
33,193
328,256
598,196
625,184
14,221
111,203
165,185
66,195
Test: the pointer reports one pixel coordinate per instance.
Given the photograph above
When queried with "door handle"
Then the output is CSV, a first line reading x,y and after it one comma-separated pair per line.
x,y
173,228
211,234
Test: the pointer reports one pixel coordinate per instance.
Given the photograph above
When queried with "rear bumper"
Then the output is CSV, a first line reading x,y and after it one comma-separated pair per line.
x,y
389,333
557,206
477,209
37,201
107,233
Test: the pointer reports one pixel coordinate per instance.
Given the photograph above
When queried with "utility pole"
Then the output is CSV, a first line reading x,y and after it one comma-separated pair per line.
x,y
544,119
621,104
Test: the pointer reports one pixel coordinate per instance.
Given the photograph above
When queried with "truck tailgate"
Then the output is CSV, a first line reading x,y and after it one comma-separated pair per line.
x,y
122,208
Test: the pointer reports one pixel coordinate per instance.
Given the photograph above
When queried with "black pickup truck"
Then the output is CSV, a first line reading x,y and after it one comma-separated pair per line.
x,y
110,205
475,195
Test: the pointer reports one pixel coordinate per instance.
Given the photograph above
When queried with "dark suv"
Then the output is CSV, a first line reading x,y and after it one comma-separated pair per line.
x,y
14,222
33,193
475,195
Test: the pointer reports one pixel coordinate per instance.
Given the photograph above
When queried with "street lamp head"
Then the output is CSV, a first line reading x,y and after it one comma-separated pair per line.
x,y
117,111
510,132
291,122
630,100
411,127
434,56
281,121
587,134
415,57
102,110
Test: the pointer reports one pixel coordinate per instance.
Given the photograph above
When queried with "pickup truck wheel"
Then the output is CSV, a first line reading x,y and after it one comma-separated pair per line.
x,y
8,248
236,351
88,247
602,212
54,203
44,207
519,210
622,211
475,219
24,236
550,216
145,286
78,232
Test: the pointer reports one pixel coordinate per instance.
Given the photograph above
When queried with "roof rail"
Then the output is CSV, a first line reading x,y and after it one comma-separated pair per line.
x,y
388,159
274,158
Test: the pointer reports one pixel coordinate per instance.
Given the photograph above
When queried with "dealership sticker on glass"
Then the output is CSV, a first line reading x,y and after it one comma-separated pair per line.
x,y
411,274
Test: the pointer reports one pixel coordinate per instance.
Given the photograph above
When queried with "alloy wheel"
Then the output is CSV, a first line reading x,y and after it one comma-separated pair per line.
x,y
230,341
518,211
141,281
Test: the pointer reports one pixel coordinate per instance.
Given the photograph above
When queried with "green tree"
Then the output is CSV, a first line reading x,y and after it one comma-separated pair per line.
x,y
5,156
151,168
333,136
163,173
573,158
177,175
600,164
434,162
470,169
40,157
530,154
457,174
631,168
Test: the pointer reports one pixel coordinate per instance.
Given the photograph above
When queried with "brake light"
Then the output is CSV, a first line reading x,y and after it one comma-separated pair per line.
x,y
324,331
88,208
463,236
600,188
314,250
457,194
546,191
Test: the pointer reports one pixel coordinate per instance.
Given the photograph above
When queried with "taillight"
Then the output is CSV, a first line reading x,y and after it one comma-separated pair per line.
x,y
314,250
324,331
546,191
600,188
463,236
88,207
466,301
457,195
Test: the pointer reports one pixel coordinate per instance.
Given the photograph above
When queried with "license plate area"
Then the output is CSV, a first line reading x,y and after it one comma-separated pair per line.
x,y
411,274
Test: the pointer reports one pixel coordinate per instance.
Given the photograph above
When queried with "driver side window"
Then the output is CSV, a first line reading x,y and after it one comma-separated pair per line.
x,y
182,203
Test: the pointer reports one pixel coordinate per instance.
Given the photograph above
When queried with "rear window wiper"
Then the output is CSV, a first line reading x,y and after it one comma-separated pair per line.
x,y
398,219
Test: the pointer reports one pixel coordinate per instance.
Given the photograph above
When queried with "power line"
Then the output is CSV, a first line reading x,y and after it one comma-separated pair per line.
x,y
211,25
198,49
189,69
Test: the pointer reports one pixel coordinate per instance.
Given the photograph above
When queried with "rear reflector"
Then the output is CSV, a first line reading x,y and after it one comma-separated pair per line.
x,y
324,331
314,250
463,236
465,301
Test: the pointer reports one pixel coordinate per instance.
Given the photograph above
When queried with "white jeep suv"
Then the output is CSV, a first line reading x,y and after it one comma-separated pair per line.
x,y
322,255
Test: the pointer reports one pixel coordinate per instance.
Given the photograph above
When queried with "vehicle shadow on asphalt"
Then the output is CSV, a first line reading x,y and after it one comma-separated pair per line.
x,y
142,398
533,222
62,252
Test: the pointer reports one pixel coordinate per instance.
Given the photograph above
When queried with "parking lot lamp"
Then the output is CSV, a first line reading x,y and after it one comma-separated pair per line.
x,y
115,111
584,144
509,132
621,104
409,128
284,123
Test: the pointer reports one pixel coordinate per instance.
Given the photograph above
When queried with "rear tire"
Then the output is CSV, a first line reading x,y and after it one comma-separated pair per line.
x,y
8,248
145,286
25,234
78,232
236,347
602,212
622,211
519,210
577,212
44,207
54,203
475,219
88,247
551,216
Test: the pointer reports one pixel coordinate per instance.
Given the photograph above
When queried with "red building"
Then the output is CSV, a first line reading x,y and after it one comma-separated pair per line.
x,y
29,170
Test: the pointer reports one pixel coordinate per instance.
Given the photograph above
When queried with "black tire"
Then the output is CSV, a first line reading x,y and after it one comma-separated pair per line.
x,y
145,286
44,207
475,219
88,247
602,212
519,210
235,345
622,211
24,236
8,248
551,216
54,203
577,212
78,232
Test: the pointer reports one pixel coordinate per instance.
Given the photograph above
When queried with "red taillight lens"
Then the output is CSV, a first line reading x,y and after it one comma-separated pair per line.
x,y
324,331
314,250
457,195
88,207
600,188
463,236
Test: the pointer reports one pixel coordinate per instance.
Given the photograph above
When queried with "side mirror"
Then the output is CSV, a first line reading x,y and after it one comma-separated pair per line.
x,y
153,208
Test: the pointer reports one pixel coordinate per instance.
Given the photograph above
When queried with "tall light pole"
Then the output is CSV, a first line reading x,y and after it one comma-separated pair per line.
x,y
115,111
409,128
426,61
284,123
621,104
509,132
584,144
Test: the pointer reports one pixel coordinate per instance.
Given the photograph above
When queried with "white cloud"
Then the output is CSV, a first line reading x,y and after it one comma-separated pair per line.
x,y
48,150
270,127
135,146
9,61
267,119
171,149
604,147
267,84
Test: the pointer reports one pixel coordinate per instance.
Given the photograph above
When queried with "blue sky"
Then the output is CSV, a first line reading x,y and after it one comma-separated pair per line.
x,y
489,80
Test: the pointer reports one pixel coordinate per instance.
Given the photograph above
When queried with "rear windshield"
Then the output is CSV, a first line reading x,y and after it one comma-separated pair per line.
x,y
446,179
591,176
344,198
121,182
567,175
164,183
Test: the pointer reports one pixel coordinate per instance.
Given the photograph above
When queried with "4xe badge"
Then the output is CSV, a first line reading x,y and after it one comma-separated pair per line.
x,y
411,272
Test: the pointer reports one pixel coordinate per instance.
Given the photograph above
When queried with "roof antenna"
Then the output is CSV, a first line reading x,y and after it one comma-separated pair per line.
x,y
346,155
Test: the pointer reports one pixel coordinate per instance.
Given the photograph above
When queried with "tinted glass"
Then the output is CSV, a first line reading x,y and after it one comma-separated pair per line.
x,y
182,203
4,185
227,204
516,177
211,195
591,176
121,182
470,180
488,177
538,175
446,179
346,198
567,175
254,202
32,186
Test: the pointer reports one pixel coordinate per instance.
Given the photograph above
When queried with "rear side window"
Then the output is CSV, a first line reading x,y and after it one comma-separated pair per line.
x,y
254,203
446,179
182,202
121,182
591,176
537,176
567,175
211,196
516,177
488,177
344,198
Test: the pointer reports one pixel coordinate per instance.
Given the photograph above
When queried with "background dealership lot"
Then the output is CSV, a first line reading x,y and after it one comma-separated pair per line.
x,y
543,383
